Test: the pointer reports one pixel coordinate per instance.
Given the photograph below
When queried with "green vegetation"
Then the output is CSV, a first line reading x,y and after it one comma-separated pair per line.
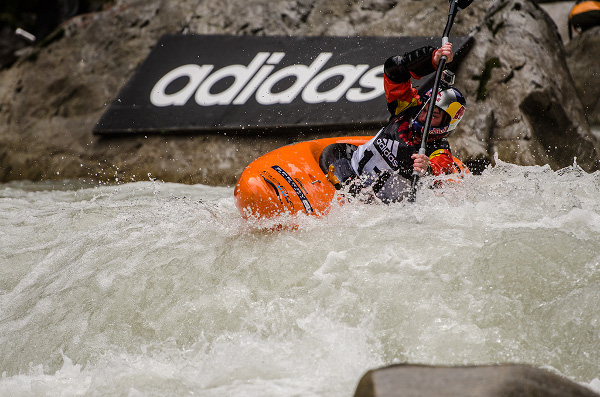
x,y
485,77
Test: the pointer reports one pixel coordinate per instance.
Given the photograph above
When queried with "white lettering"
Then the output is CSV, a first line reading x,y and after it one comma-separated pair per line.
x,y
302,73
370,80
349,74
385,149
241,74
258,79
195,73
262,74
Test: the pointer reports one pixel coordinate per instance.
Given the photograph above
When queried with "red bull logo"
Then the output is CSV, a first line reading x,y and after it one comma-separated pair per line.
x,y
459,113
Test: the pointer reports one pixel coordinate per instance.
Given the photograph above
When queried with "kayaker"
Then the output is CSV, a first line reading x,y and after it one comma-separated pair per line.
x,y
385,163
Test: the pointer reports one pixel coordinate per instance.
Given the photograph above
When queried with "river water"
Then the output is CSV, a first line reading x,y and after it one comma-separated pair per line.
x,y
154,289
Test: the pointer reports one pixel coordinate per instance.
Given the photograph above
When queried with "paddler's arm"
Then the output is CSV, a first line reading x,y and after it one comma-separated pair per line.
x,y
438,163
398,70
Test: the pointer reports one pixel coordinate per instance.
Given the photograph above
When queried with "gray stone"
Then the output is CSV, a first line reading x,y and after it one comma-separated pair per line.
x,y
522,101
582,58
559,12
507,380
52,97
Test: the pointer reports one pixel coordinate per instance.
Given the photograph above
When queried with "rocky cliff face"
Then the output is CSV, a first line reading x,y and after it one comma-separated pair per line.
x,y
582,59
523,103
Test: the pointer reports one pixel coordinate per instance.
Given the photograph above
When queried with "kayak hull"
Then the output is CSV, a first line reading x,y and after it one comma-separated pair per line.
x,y
289,180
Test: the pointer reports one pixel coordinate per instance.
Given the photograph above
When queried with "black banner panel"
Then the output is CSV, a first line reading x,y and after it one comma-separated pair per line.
x,y
197,83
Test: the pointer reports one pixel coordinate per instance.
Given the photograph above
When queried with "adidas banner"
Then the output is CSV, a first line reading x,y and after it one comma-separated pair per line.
x,y
197,83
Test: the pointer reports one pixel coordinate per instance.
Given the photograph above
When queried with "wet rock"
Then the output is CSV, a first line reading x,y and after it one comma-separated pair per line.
x,y
523,104
559,12
522,101
583,63
477,381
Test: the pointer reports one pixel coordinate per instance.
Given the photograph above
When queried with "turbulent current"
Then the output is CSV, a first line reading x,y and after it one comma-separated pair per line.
x,y
159,289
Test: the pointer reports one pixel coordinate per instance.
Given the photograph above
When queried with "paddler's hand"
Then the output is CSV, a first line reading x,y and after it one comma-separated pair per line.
x,y
421,162
446,50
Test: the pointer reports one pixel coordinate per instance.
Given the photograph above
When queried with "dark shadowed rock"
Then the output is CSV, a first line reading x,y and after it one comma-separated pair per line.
x,y
522,103
582,58
559,12
483,381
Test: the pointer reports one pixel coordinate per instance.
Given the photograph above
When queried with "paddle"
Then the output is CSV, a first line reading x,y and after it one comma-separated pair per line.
x,y
455,6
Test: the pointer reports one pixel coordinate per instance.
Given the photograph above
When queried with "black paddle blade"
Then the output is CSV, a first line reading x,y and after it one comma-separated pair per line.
x,y
461,4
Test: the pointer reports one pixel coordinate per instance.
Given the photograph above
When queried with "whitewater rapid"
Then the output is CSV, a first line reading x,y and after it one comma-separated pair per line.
x,y
153,289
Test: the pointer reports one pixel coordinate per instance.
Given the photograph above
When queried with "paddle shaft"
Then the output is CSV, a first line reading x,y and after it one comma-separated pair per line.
x,y
436,86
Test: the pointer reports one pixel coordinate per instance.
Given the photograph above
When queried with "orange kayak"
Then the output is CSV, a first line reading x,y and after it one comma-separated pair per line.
x,y
289,180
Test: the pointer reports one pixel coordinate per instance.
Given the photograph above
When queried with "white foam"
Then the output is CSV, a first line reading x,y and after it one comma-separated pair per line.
x,y
152,288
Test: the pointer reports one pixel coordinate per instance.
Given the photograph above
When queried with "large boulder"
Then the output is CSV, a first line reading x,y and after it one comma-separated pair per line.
x,y
585,69
523,104
559,12
52,97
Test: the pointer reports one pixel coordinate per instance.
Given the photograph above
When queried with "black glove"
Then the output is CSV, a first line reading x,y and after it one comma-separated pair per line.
x,y
419,62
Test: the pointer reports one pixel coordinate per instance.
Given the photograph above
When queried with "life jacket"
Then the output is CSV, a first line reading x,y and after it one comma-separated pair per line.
x,y
384,166
584,15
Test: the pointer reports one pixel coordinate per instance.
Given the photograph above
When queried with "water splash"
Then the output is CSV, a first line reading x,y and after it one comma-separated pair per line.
x,y
152,288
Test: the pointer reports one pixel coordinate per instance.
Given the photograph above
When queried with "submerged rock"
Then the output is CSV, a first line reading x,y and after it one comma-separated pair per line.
x,y
477,381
